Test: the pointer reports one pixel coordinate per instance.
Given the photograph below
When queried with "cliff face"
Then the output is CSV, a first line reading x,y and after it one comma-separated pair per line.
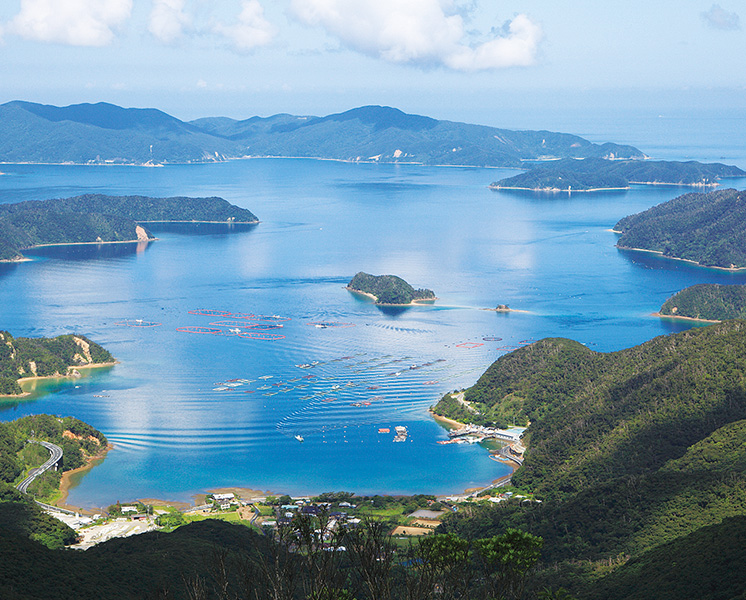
x,y
45,357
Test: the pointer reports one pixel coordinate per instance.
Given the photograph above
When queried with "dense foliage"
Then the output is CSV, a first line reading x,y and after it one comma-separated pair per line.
x,y
629,450
709,301
599,173
44,357
709,229
103,133
19,515
388,289
216,560
96,217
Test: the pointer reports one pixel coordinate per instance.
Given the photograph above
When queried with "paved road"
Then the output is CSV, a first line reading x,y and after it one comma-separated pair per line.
x,y
56,455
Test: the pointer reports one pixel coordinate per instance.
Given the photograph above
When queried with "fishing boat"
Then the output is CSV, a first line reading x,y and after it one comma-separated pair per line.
x,y
299,438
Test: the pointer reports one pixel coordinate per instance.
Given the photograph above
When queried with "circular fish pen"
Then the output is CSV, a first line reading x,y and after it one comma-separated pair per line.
x,y
269,337
196,329
137,323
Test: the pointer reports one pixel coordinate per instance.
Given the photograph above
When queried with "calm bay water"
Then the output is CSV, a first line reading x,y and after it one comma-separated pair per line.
x,y
179,421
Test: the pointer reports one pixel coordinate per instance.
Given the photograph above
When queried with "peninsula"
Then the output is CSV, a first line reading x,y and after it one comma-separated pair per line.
x,y
708,229
599,174
707,302
24,358
97,218
389,290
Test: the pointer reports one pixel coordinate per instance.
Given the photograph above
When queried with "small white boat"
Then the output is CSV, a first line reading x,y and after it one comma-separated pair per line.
x,y
299,438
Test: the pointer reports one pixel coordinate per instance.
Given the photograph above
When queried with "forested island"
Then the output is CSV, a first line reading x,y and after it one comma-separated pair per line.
x,y
19,515
45,357
598,174
707,302
705,228
107,134
98,218
639,453
389,289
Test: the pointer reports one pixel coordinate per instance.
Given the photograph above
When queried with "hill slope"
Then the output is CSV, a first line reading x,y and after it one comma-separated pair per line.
x,y
599,174
595,417
99,218
387,134
104,133
99,133
709,229
708,301
45,357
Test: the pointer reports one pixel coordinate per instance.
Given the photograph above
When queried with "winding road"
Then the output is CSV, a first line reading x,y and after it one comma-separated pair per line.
x,y
56,457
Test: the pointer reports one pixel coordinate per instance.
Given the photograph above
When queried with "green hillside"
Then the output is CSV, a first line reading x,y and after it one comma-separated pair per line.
x,y
637,454
19,515
388,289
45,357
100,218
599,174
105,134
709,229
708,301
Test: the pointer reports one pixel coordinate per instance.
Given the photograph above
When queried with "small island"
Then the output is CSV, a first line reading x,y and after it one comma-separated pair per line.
x,y
22,359
98,219
600,174
707,302
389,290
708,229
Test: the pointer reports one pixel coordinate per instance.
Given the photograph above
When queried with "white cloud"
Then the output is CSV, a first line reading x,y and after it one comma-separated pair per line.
x,y
73,22
168,20
719,18
425,32
251,29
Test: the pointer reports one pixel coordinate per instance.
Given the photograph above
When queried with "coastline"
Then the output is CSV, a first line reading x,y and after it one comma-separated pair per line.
x,y
135,241
683,318
415,302
686,260
66,483
69,375
558,190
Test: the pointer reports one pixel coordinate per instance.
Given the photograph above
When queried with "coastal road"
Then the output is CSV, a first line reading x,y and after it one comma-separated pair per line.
x,y
56,456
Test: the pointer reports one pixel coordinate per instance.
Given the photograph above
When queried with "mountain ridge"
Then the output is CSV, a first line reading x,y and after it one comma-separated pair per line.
x,y
104,133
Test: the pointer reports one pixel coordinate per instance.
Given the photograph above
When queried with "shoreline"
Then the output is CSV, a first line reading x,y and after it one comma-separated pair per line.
x,y
559,190
66,483
683,318
686,260
33,378
555,190
415,302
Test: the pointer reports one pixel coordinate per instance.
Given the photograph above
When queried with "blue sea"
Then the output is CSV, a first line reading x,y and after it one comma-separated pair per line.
x,y
232,344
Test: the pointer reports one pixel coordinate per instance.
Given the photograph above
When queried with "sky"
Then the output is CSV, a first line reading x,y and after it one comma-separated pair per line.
x,y
480,61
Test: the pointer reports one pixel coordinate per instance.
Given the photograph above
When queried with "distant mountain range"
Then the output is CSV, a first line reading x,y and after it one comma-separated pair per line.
x,y
105,133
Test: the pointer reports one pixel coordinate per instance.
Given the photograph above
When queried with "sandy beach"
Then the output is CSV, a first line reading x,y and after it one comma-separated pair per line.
x,y
682,318
377,303
66,482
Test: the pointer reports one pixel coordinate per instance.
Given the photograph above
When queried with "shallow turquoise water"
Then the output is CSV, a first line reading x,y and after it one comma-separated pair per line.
x,y
175,434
